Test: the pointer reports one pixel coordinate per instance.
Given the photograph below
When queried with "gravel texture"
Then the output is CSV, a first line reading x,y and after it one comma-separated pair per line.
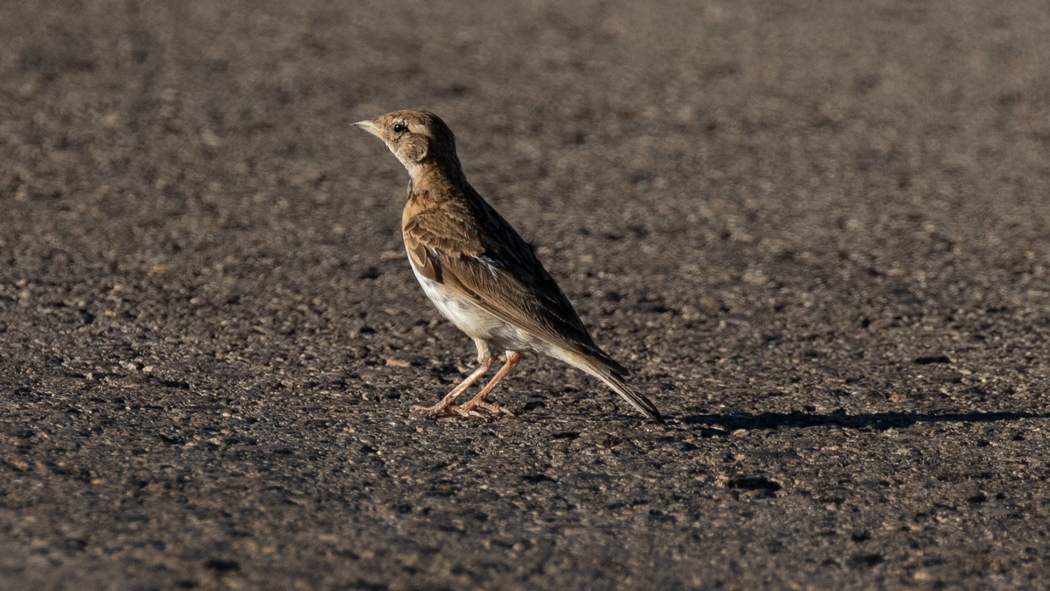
x,y
817,232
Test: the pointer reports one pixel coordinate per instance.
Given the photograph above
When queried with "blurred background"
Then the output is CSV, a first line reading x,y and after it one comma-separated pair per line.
x,y
760,207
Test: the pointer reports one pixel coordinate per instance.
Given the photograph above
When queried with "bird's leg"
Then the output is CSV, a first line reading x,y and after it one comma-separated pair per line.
x,y
513,357
444,408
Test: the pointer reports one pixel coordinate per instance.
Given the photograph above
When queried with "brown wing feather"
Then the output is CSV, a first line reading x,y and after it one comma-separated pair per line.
x,y
498,270
421,259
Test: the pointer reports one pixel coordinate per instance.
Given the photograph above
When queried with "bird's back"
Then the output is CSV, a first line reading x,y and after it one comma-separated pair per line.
x,y
465,243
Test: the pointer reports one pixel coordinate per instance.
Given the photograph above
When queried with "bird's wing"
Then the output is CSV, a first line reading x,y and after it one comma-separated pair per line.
x,y
469,247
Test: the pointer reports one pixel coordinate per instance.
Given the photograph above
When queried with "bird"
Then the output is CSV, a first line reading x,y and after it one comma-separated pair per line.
x,y
479,272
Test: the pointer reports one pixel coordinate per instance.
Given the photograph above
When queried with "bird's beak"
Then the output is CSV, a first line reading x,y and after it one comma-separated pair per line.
x,y
370,127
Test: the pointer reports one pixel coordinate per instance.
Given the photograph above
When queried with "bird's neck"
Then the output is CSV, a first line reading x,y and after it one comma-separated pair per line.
x,y
433,172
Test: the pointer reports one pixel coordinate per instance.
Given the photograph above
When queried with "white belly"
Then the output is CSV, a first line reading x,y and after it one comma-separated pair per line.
x,y
475,321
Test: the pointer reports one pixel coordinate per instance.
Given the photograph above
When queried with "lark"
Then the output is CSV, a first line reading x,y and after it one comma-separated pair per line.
x,y
480,273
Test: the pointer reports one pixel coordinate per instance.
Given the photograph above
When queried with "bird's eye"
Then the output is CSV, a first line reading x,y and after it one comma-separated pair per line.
x,y
399,127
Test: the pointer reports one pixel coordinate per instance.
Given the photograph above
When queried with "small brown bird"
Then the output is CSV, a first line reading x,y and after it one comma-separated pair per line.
x,y
480,273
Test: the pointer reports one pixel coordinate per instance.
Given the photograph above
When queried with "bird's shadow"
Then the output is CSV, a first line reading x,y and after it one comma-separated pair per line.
x,y
877,421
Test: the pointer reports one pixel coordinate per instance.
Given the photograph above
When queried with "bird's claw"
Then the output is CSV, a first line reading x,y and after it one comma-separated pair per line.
x,y
463,410
492,408
433,412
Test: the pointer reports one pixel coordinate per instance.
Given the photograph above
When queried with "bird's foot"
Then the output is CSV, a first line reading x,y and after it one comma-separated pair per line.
x,y
465,410
468,408
440,409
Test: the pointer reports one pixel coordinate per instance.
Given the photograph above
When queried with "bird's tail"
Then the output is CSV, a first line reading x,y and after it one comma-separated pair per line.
x,y
616,382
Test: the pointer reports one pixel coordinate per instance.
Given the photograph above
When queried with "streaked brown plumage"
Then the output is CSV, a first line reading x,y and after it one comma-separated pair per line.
x,y
479,272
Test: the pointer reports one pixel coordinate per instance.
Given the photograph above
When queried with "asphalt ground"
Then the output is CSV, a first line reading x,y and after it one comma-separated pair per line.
x,y
816,232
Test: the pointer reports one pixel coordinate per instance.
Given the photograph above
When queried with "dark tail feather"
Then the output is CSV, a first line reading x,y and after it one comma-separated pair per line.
x,y
643,404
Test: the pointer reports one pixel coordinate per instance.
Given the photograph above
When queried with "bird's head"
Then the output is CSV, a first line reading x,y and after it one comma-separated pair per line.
x,y
415,137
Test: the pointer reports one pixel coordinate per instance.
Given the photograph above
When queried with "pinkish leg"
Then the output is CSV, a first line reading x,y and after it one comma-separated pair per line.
x,y
513,357
445,407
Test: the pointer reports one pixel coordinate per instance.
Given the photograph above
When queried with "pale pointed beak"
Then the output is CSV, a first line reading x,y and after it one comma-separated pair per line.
x,y
370,127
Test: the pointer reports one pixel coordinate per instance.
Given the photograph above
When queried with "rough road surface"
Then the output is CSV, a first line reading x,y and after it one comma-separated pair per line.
x,y
816,232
